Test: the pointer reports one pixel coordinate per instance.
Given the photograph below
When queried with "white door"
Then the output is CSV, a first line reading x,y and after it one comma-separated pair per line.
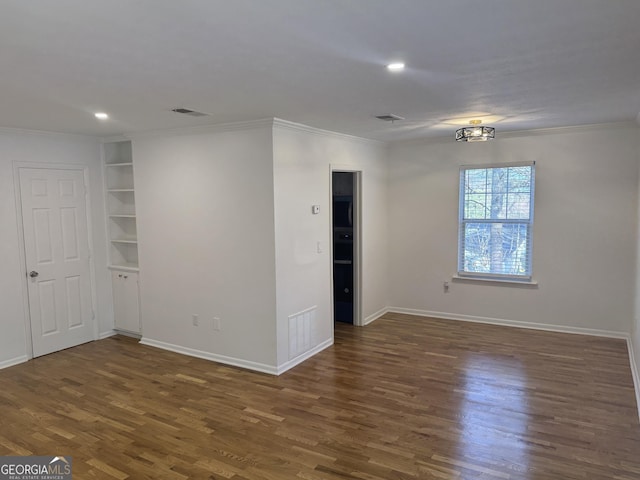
x,y
54,219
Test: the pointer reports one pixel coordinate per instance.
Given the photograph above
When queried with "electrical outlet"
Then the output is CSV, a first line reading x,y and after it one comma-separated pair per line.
x,y
194,319
216,324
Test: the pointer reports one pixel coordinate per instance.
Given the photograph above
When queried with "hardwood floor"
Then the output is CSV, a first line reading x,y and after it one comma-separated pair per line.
x,y
404,398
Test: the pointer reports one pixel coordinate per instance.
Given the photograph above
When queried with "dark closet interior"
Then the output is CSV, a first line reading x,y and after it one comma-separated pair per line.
x,y
343,253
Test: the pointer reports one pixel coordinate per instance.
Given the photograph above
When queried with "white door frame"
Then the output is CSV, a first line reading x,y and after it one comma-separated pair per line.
x,y
357,244
17,166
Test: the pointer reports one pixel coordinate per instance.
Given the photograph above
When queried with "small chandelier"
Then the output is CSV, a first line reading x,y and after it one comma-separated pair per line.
x,y
475,133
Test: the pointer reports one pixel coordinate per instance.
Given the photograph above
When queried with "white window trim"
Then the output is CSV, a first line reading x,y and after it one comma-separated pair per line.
x,y
496,277
485,279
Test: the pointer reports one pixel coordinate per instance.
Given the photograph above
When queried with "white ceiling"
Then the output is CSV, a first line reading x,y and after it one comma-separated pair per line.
x,y
533,63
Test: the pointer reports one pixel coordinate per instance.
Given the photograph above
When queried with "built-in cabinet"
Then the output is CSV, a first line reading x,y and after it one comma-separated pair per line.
x,y
123,234
126,301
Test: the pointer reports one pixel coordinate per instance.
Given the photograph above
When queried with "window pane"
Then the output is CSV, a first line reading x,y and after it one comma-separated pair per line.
x,y
520,179
476,180
476,206
497,193
518,206
495,248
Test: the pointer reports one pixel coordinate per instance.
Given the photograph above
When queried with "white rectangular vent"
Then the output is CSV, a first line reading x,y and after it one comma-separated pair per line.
x,y
192,113
302,332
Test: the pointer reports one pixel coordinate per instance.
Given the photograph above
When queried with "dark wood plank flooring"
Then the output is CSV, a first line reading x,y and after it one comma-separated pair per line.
x,y
404,398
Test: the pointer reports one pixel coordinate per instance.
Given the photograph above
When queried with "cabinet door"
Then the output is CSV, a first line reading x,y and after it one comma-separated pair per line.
x,y
126,307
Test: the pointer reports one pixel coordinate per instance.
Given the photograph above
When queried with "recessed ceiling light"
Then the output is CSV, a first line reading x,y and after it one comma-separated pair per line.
x,y
395,67
101,116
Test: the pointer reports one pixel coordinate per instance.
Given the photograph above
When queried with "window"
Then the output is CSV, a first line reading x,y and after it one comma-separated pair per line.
x,y
496,221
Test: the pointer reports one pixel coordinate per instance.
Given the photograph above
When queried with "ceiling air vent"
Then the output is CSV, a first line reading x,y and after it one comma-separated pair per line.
x,y
389,117
191,113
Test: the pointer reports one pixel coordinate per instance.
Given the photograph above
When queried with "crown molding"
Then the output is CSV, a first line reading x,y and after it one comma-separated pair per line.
x,y
44,133
299,127
203,129
248,125
524,133
569,129
114,139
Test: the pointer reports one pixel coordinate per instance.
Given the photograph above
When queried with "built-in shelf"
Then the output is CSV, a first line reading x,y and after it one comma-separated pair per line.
x,y
121,209
124,240
123,235
125,267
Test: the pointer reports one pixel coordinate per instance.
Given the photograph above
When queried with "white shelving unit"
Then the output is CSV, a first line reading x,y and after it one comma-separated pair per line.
x,y
123,234
121,206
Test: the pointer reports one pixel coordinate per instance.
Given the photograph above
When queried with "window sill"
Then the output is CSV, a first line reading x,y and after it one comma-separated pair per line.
x,y
500,281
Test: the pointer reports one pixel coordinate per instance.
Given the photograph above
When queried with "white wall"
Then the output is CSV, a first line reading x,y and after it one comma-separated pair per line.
x,y
204,205
585,230
34,147
302,178
635,329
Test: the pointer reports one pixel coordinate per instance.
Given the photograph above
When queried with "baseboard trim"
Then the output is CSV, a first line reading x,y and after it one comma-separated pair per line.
x,y
634,372
301,358
375,316
13,361
108,334
236,362
126,333
511,323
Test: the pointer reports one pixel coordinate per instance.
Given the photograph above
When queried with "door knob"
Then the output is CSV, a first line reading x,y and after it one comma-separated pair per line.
x,y
33,274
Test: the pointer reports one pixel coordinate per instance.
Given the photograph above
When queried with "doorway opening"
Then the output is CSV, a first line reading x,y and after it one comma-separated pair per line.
x,y
345,237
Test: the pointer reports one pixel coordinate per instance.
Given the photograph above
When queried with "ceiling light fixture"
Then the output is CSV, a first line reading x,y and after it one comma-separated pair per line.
x,y
475,133
395,67
101,116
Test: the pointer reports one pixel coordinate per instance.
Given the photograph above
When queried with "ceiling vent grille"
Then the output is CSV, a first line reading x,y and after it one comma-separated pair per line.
x,y
389,117
191,113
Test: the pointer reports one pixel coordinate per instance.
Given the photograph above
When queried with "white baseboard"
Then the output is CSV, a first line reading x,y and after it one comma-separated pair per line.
x,y
13,361
301,358
634,372
236,362
374,316
108,334
127,333
511,323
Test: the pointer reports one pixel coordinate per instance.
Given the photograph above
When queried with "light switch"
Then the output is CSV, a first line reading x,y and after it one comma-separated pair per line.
x,y
315,209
